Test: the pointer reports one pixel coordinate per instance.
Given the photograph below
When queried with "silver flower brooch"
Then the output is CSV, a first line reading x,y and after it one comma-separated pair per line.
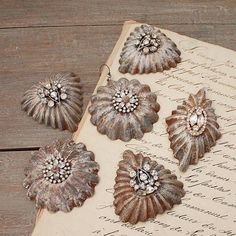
x,y
124,109
143,188
193,129
56,102
61,176
148,50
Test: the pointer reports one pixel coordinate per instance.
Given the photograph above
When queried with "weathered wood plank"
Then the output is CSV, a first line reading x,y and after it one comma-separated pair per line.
x,y
17,213
27,55
14,13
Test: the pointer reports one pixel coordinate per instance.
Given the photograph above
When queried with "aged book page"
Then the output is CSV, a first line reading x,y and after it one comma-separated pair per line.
x,y
209,207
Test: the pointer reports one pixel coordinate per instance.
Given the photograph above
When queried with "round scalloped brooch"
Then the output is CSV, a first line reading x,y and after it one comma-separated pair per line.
x,y
56,102
143,188
193,129
124,109
61,176
148,50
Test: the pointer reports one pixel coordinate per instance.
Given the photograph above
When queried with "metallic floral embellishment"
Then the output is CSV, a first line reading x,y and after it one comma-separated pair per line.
x,y
143,188
148,50
193,129
144,180
57,101
125,101
56,169
52,93
124,109
148,42
61,176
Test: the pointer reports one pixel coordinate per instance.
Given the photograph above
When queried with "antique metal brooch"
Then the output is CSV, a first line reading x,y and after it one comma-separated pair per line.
x,y
143,188
124,109
61,176
148,50
57,101
193,129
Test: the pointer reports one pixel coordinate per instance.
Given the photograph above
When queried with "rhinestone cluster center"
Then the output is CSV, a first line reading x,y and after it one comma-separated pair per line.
x,y
52,93
196,121
148,42
144,180
56,169
125,101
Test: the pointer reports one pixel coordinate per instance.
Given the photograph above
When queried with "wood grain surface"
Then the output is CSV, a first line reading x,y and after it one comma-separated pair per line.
x,y
38,38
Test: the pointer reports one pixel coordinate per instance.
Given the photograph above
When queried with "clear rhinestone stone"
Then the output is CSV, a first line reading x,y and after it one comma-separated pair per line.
x,y
136,187
150,189
142,186
53,94
153,172
146,167
193,119
132,173
143,177
63,96
146,42
132,183
50,103
155,177
153,49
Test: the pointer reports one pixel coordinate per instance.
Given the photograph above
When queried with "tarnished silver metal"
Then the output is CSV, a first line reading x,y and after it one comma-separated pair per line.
x,y
56,102
193,129
124,109
148,50
143,188
61,176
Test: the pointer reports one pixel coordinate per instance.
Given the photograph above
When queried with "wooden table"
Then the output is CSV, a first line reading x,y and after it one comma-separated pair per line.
x,y
40,37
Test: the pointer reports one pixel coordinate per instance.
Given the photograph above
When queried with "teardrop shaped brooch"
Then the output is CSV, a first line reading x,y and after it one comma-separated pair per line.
x,y
192,129
124,109
61,176
56,101
143,188
148,50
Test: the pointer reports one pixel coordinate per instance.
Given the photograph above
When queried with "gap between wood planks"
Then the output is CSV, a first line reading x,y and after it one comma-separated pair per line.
x,y
23,149
105,25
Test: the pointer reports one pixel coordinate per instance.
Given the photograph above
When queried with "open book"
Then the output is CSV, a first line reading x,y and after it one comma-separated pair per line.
x,y
209,206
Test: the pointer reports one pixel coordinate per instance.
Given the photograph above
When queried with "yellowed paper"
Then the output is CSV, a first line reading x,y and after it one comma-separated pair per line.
x,y
209,207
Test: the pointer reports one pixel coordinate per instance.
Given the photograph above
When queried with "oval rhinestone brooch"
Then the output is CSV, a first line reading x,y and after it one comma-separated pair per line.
x,y
124,109
143,188
61,176
193,129
56,102
148,50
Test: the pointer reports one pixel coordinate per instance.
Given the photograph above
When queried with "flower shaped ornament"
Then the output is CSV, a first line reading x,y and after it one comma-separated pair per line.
x,y
193,129
61,176
124,109
143,188
148,50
